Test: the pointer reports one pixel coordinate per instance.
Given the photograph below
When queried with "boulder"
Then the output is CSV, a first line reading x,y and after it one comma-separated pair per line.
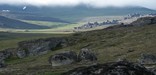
x,y
63,58
11,51
41,46
86,55
147,59
116,68
4,55
21,54
2,64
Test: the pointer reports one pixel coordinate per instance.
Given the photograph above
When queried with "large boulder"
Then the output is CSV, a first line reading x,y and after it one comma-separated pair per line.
x,y
4,55
41,46
144,21
116,68
86,55
147,59
63,58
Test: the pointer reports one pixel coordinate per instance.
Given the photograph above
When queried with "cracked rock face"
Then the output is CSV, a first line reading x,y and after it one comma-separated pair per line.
x,y
4,55
21,53
41,46
117,68
63,58
86,55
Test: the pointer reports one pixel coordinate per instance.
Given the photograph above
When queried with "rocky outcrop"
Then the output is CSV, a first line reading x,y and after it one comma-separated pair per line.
x,y
41,46
147,59
63,58
69,57
21,53
86,55
117,68
144,21
4,55
139,22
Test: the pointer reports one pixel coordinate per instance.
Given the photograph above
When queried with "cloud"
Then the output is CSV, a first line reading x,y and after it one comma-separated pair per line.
x,y
95,3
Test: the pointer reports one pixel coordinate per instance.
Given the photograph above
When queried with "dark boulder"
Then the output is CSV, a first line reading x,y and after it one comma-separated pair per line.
x,y
147,59
117,68
3,56
63,58
41,46
21,53
86,55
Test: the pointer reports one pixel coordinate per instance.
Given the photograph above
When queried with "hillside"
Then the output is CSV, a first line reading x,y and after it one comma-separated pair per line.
x,y
109,45
16,24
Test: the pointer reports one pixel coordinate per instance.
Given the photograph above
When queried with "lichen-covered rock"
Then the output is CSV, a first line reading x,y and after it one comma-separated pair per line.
x,y
117,68
2,64
41,46
86,55
144,21
147,59
4,55
11,51
21,54
63,58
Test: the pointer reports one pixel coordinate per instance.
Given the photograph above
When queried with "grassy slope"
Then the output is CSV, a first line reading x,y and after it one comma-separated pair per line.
x,y
9,40
109,45
46,23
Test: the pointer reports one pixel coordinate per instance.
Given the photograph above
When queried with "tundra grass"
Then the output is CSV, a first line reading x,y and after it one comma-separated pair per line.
x,y
109,45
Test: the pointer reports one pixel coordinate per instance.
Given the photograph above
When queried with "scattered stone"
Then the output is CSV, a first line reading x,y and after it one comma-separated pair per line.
x,y
147,59
86,55
63,58
117,68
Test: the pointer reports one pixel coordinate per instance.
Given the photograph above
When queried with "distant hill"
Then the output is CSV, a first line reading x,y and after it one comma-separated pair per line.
x,y
76,13
30,16
16,24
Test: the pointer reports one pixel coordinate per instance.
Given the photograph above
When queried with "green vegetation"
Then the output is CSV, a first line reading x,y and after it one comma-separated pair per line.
x,y
46,23
9,40
109,45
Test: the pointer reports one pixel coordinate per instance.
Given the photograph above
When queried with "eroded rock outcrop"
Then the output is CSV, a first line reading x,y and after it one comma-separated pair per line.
x,y
117,68
21,53
144,21
147,59
4,55
86,55
63,58
41,46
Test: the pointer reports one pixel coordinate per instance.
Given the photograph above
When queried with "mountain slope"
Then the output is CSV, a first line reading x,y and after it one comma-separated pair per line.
x,y
16,24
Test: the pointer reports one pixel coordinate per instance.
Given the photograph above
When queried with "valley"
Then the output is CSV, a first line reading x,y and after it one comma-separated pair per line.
x,y
77,40
109,44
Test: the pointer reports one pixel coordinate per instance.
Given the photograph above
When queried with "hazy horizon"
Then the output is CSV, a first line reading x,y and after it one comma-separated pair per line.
x,y
92,3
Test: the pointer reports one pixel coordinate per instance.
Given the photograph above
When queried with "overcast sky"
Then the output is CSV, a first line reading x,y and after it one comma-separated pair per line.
x,y
95,3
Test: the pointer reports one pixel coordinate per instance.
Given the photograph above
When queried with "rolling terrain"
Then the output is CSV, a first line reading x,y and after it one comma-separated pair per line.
x,y
109,44
16,24
73,14
44,23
